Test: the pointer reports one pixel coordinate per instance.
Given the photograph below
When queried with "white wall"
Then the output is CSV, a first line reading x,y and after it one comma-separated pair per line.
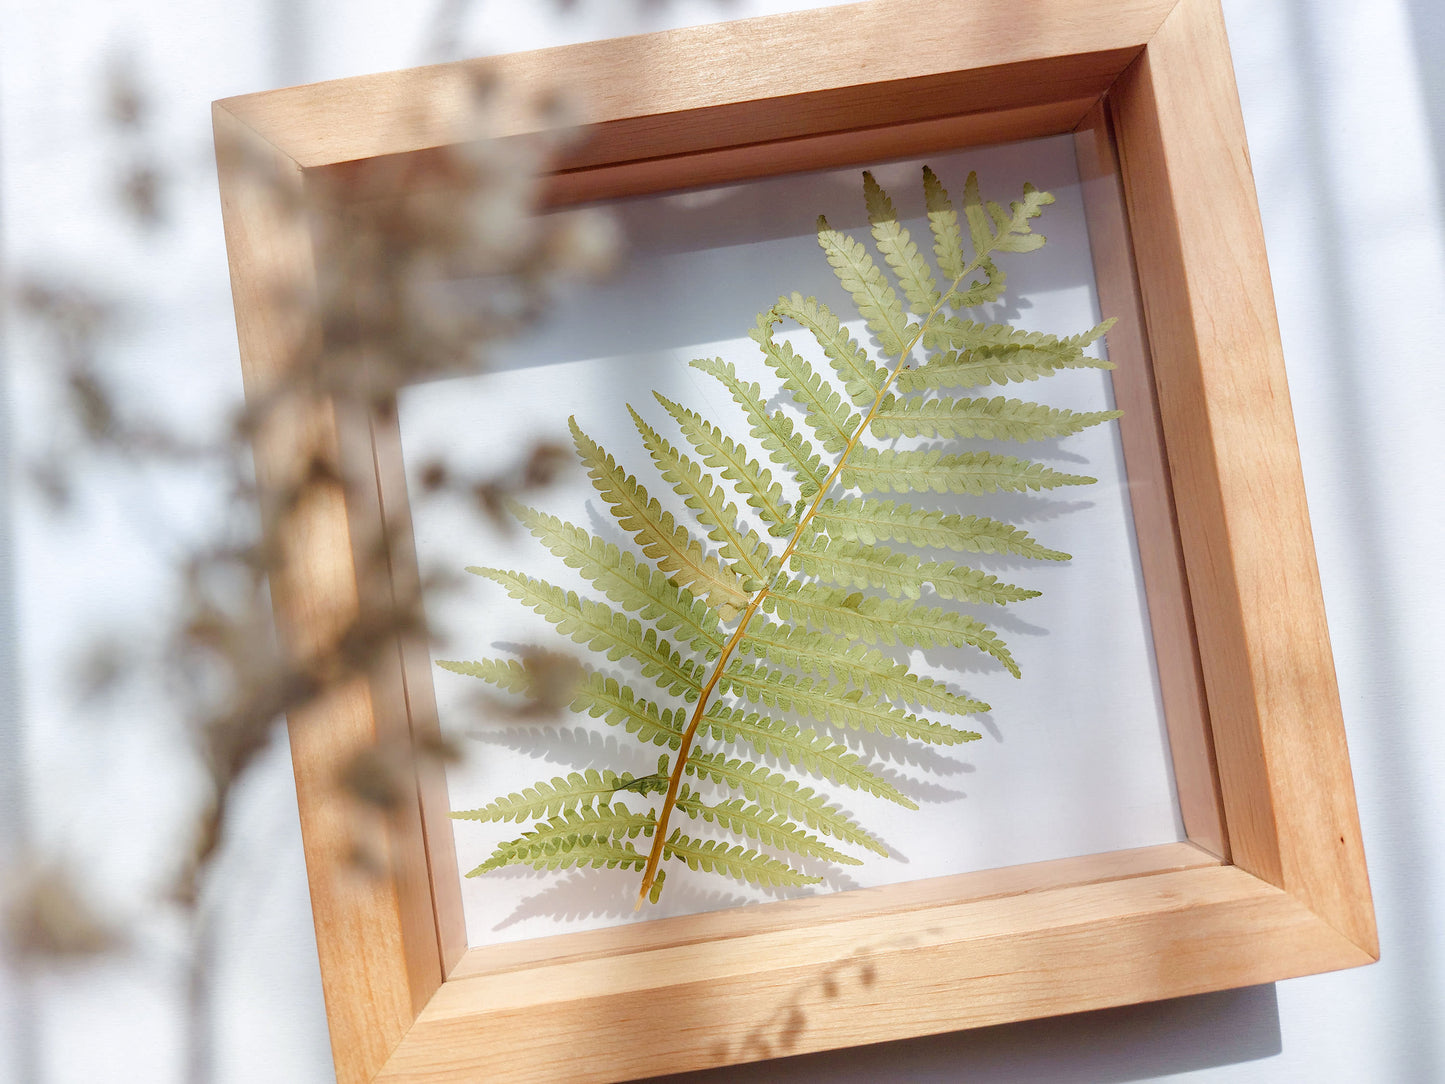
x,y
1346,118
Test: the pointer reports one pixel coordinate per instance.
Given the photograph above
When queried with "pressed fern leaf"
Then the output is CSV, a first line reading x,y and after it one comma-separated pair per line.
x,y
760,617
755,822
870,521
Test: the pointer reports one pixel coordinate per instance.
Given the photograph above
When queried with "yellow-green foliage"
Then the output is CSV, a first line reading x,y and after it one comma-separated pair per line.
x,y
753,627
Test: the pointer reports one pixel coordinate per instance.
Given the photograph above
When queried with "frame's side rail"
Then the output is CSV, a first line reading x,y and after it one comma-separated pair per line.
x,y
378,968
414,673
871,979
1181,685
1199,245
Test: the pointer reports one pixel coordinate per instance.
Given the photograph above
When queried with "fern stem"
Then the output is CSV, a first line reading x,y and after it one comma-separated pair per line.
x,y
669,802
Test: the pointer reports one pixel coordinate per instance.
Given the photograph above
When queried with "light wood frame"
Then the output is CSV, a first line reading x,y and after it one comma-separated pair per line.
x,y
1273,882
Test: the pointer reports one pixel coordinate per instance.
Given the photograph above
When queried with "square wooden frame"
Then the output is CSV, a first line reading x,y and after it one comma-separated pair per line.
x,y
1273,882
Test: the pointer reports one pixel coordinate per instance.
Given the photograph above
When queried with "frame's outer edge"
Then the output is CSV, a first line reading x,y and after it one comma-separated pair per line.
x,y
737,71
377,972
872,979
1279,735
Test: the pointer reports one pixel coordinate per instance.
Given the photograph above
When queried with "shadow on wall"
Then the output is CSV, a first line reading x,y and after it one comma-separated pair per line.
x,y
1427,30
1137,1042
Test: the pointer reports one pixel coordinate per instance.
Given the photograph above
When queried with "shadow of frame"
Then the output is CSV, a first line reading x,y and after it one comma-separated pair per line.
x,y
1134,1042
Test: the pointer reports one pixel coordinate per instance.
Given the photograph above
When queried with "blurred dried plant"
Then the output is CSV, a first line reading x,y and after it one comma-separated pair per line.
x,y
389,318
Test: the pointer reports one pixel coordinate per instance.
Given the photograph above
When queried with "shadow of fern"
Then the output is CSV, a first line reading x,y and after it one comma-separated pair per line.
x,y
881,749
607,894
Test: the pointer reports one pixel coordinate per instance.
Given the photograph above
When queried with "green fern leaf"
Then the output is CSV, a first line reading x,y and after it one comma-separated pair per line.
x,y
595,694
605,697
885,620
869,521
853,564
876,301
583,837
715,856
831,656
943,222
802,644
901,254
748,554
602,629
766,827
775,430
892,471
851,708
719,451
634,586
987,419
775,791
547,799
995,230
1035,353
862,377
674,550
827,414
805,749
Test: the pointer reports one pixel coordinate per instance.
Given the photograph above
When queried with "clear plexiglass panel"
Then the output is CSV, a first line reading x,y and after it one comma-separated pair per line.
x,y
1073,758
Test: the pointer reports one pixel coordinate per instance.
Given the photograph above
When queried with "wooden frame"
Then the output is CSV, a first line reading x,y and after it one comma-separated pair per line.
x,y
1273,882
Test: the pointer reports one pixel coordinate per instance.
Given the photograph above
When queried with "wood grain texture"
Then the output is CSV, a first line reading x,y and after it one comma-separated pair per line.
x,y
731,83
414,671
1161,559
911,896
1278,732
860,146
380,966
869,979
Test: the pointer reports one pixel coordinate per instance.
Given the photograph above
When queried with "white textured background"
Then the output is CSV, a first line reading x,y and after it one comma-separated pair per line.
x,y
1345,109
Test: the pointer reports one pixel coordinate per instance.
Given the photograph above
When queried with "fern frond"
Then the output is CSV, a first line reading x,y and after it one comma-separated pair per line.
x,y
754,822
1035,353
827,655
992,229
885,620
893,471
547,799
827,414
854,564
508,674
862,377
943,222
802,645
605,697
774,430
714,856
719,451
901,254
876,301
631,584
595,694
749,555
987,419
602,629
851,708
806,749
583,837
869,520
674,550
775,791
